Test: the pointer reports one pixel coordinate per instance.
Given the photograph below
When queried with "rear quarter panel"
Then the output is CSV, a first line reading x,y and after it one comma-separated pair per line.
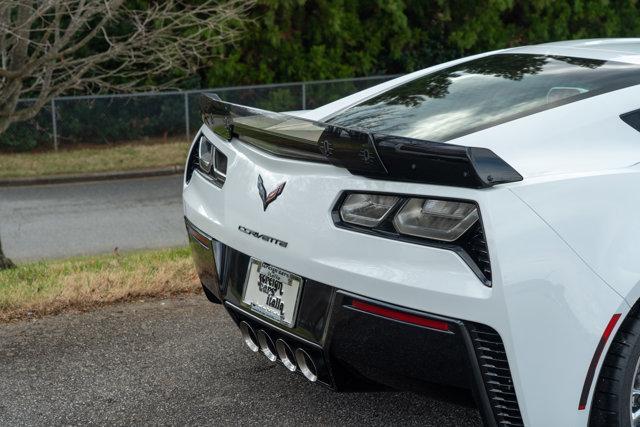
x,y
598,216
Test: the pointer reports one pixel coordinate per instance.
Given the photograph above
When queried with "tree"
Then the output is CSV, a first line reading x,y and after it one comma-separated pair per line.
x,y
323,39
5,262
50,47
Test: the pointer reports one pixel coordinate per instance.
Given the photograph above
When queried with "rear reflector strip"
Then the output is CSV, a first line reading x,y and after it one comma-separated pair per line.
x,y
400,315
594,362
199,237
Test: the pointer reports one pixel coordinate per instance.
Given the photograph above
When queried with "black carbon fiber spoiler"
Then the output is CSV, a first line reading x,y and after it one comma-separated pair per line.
x,y
361,152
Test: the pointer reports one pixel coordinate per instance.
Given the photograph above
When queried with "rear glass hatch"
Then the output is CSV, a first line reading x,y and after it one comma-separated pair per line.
x,y
485,92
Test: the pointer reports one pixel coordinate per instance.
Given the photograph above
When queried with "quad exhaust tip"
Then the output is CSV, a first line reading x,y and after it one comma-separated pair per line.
x,y
286,355
306,365
249,336
261,342
266,345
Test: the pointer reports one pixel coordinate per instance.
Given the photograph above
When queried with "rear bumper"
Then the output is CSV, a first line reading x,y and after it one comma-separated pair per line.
x,y
349,345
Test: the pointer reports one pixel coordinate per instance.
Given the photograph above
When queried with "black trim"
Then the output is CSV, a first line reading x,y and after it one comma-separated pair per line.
x,y
192,163
479,389
586,388
416,160
203,253
474,253
313,306
459,330
364,153
494,367
632,118
588,380
357,350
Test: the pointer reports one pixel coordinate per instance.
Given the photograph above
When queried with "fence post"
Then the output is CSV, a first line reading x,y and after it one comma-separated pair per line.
x,y
54,121
304,96
186,116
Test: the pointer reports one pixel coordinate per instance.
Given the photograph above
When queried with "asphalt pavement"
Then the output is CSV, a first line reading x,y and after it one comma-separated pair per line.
x,y
177,361
62,220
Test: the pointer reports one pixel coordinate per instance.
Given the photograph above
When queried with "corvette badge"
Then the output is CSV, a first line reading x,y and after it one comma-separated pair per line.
x,y
267,199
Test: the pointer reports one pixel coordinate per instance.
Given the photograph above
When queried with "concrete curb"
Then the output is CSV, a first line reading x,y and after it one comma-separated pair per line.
x,y
97,176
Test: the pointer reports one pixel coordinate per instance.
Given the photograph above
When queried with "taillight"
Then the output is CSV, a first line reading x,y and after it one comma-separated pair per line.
x,y
442,220
205,154
208,160
367,210
445,223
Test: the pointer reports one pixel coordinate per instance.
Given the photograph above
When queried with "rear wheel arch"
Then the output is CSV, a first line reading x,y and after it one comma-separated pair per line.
x,y
611,401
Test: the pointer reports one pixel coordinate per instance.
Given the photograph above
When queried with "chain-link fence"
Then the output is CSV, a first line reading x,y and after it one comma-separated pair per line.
x,y
108,119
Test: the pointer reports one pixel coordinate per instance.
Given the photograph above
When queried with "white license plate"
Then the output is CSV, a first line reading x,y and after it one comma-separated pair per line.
x,y
272,292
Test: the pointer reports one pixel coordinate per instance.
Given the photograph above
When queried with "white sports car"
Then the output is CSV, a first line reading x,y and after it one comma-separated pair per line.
x,y
473,224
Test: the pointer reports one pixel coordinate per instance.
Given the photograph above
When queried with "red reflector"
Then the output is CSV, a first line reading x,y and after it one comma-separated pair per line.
x,y
610,326
594,362
199,237
400,315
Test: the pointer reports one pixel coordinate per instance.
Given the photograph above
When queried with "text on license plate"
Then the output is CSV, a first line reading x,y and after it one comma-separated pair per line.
x,y
272,292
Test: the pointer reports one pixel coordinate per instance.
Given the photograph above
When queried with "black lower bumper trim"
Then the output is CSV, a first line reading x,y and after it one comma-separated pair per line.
x,y
350,346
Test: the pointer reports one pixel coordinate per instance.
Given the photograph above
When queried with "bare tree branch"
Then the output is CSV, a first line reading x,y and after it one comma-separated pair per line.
x,y
44,45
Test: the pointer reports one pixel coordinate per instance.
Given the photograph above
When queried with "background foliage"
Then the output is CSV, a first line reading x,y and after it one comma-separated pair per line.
x,y
293,40
301,40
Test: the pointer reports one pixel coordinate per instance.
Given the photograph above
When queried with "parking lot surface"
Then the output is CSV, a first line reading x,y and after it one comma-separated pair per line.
x,y
178,361
63,220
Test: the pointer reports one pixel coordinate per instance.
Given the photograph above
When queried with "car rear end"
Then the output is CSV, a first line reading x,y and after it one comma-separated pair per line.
x,y
313,237
367,305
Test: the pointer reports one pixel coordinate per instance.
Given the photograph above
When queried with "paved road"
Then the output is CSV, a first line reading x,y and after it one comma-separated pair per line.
x,y
56,221
175,362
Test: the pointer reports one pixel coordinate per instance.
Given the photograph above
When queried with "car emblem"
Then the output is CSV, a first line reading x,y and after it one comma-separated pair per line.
x,y
268,198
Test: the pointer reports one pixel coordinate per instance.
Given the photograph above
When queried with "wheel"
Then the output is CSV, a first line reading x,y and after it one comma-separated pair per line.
x,y
616,400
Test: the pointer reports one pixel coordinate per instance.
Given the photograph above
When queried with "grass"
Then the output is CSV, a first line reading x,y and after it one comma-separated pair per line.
x,y
89,159
50,287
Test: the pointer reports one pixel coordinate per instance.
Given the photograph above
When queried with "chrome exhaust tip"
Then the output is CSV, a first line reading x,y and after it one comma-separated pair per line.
x,y
249,337
266,345
306,365
286,355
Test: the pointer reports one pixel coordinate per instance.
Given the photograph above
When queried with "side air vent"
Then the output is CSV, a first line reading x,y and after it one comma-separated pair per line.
x,y
632,119
496,374
475,244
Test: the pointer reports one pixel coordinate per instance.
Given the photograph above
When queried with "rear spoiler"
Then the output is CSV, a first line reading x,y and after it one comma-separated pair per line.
x,y
361,152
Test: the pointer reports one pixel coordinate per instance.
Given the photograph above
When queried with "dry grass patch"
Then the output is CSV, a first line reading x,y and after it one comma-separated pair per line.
x,y
43,288
101,159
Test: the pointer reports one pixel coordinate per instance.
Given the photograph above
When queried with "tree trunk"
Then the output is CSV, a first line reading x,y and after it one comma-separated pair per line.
x,y
4,261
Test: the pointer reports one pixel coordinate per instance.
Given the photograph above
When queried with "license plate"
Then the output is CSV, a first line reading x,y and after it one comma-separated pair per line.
x,y
272,292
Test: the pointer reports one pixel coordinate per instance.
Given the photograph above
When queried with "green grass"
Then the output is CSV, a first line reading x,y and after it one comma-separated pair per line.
x,y
87,160
49,287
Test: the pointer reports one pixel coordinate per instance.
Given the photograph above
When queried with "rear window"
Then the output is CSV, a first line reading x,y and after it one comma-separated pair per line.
x,y
478,94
